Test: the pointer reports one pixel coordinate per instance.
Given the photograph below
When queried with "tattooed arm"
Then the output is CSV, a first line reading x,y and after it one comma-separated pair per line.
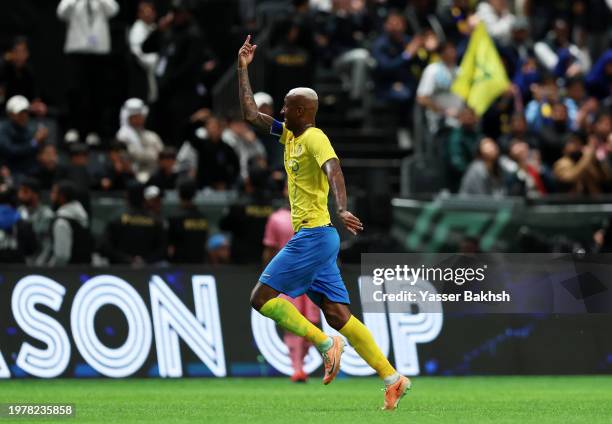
x,y
247,102
336,183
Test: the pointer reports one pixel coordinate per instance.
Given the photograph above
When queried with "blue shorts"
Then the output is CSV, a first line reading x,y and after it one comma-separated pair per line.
x,y
307,264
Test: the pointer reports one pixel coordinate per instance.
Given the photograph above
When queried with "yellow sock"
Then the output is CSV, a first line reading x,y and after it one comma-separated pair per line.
x,y
287,316
362,341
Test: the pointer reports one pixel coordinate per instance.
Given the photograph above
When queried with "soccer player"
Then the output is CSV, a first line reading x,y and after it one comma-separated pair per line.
x,y
307,263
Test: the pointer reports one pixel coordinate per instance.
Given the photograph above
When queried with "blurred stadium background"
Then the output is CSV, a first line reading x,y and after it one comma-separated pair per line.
x,y
125,164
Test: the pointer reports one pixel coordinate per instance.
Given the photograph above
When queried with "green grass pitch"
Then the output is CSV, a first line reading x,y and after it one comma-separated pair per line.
x,y
275,400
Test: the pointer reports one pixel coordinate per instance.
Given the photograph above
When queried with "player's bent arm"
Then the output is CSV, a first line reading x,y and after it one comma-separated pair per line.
x,y
250,113
335,177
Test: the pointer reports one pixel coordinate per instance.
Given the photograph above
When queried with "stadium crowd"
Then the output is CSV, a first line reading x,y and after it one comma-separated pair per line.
x,y
550,132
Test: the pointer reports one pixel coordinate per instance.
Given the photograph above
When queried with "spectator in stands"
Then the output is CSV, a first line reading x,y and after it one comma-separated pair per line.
x,y
17,239
166,176
553,133
142,27
179,43
274,150
118,172
88,47
579,171
518,130
559,55
599,80
289,64
77,169
393,52
498,19
46,171
20,137
531,177
39,215
135,237
153,201
461,146
218,248
218,164
340,41
188,228
454,21
17,77
434,90
485,175
246,219
143,145
72,241
245,143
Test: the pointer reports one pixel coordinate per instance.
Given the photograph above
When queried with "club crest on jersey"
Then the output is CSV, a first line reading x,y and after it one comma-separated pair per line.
x,y
294,165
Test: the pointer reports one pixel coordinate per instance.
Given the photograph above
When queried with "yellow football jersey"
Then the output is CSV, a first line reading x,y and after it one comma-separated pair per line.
x,y
307,183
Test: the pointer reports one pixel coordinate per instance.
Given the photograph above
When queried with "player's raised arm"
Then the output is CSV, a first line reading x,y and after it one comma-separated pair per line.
x,y
247,102
336,183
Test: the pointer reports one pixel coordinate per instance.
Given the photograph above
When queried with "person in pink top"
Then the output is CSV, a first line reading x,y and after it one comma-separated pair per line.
x,y
277,233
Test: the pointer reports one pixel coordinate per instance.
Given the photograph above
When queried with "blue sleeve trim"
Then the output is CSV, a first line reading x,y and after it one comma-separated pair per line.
x,y
276,128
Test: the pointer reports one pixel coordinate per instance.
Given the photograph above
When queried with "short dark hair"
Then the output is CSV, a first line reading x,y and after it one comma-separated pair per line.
x,y
67,189
31,183
187,189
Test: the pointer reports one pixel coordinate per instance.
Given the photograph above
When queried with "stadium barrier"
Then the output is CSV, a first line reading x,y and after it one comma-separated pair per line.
x,y
506,224
196,322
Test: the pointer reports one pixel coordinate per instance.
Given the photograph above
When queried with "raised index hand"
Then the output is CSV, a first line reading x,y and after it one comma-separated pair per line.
x,y
246,53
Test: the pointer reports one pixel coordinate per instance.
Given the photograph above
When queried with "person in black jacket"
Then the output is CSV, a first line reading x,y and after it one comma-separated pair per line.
x,y
135,237
179,42
188,229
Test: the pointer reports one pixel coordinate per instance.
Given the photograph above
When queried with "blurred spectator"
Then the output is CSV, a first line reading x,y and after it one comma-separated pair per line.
x,y
118,172
20,137
553,133
393,52
289,64
246,145
498,19
135,237
153,201
39,215
218,248
143,145
579,171
274,150
188,228
72,241
531,177
179,43
46,171
434,90
599,80
218,164
166,176
246,219
461,147
88,47
485,174
17,77
77,169
559,55
142,27
17,239
454,21
518,130
340,40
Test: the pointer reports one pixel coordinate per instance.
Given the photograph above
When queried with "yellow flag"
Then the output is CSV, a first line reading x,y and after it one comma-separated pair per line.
x,y
482,76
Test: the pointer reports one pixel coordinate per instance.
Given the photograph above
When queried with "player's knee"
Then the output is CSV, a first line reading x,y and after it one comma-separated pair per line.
x,y
257,298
